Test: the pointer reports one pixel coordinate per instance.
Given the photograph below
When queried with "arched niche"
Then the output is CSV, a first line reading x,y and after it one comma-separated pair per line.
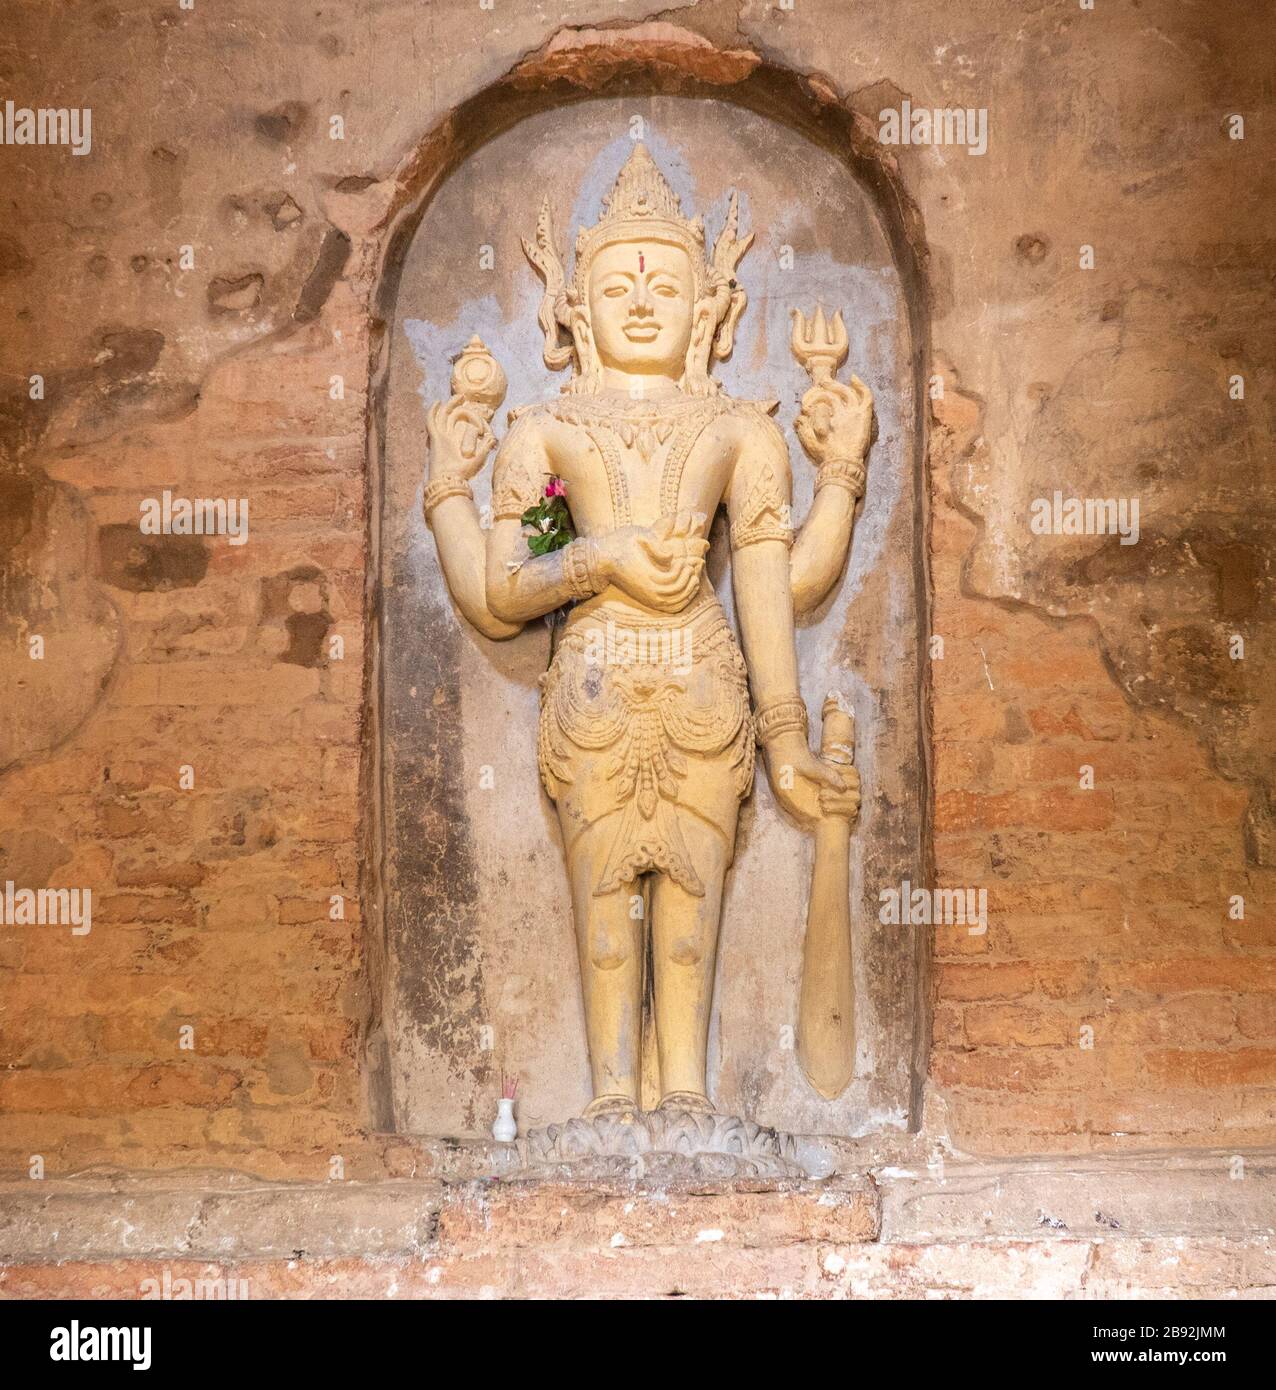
x,y
472,953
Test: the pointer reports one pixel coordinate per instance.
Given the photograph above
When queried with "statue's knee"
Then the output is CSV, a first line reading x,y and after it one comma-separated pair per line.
x,y
608,957
686,950
608,950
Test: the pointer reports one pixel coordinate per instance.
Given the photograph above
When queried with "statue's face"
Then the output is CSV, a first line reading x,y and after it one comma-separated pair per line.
x,y
642,299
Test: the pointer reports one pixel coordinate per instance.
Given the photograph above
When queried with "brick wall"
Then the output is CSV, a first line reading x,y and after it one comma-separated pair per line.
x,y
1108,907
213,903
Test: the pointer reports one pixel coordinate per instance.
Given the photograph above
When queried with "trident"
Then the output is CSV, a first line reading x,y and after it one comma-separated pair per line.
x,y
820,348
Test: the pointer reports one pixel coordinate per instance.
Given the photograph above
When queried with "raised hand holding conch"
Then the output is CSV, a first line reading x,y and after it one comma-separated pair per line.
x,y
459,428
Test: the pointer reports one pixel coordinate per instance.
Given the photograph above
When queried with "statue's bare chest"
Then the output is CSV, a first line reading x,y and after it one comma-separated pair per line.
x,y
638,466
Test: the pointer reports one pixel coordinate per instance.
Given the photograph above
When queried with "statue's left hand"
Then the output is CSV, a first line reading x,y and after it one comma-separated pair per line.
x,y
836,420
460,436
843,804
799,780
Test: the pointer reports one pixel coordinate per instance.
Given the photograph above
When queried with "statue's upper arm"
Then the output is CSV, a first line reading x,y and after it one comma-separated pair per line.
x,y
760,492
521,468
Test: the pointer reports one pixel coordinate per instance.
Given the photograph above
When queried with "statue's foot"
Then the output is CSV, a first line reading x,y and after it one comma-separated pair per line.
x,y
695,1101
610,1105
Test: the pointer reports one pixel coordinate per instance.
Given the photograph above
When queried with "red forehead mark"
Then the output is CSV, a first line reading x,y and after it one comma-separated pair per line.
x,y
640,262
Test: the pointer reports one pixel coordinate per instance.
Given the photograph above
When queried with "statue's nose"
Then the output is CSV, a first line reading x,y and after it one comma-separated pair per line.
x,y
642,300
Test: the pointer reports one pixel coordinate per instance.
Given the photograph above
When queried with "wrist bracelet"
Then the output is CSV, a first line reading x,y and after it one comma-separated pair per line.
x,y
847,473
580,568
440,489
787,715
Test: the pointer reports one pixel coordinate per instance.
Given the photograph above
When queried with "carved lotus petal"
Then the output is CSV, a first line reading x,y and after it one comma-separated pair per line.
x,y
670,1143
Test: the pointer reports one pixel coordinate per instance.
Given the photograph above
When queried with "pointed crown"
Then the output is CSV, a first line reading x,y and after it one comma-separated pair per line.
x,y
640,204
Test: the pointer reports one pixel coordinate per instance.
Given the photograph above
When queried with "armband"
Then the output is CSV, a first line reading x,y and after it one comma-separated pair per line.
x,y
440,489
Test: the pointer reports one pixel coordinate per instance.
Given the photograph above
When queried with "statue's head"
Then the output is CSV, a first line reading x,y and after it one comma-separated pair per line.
x,y
638,306
643,297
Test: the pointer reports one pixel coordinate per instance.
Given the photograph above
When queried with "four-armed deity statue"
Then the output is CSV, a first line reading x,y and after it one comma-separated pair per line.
x,y
651,709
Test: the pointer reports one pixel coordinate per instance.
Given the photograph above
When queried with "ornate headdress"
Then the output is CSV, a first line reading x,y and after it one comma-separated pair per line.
x,y
640,205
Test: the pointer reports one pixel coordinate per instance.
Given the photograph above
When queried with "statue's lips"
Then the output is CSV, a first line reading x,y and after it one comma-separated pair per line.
x,y
641,332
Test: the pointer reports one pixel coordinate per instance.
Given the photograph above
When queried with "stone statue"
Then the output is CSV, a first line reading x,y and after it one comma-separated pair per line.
x,y
646,737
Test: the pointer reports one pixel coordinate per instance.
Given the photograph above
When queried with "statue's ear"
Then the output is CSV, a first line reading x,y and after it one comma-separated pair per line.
x,y
724,339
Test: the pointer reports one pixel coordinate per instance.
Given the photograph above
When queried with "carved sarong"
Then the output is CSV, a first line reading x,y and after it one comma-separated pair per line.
x,y
626,704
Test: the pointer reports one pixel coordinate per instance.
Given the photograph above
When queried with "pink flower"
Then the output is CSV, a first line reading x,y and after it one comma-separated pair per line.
x,y
555,488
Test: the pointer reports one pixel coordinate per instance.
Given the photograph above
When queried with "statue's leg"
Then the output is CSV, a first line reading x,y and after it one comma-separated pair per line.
x,y
684,949
609,939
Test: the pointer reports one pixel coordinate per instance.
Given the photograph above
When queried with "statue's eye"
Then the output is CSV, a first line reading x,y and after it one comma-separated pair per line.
x,y
615,291
668,291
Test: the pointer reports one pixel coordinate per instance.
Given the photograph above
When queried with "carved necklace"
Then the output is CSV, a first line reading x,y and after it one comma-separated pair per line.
x,y
645,426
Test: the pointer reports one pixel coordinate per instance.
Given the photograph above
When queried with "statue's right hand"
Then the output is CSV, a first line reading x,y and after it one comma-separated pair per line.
x,y
658,565
460,438
836,420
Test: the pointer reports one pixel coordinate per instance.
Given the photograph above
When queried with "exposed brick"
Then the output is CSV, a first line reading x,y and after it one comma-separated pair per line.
x,y
999,1025
1108,907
